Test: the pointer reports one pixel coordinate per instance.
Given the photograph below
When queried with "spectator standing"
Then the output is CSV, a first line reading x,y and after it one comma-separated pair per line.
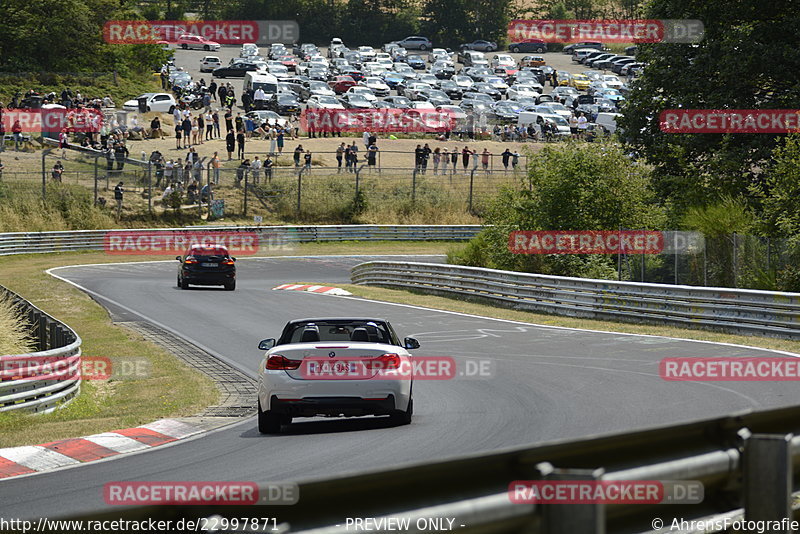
x,y
223,92
307,159
573,126
201,125
119,191
445,160
465,154
169,168
514,160
209,120
63,142
506,155
228,120
474,159
212,90
58,170
187,131
268,169
178,134
418,155
255,168
485,156
230,144
215,165
583,125
454,158
372,155
365,137
437,157
179,170
195,131
339,155
348,158
240,137
120,153
280,138
273,140
249,127
354,156
16,131
297,151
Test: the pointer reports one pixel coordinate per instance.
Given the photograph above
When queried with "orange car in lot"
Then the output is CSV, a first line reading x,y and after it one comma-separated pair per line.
x,y
532,61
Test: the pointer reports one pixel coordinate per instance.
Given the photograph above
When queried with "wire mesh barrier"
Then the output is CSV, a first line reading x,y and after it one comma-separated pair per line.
x,y
734,260
47,379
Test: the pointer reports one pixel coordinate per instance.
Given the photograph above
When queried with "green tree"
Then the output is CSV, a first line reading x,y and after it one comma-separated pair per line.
x,y
571,187
747,60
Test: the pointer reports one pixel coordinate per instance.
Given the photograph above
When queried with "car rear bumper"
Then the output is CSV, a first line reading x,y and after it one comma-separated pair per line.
x,y
208,278
333,406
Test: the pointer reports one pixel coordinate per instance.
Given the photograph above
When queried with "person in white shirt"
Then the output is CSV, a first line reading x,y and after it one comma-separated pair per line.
x,y
260,98
167,192
273,139
176,116
583,125
255,169
366,139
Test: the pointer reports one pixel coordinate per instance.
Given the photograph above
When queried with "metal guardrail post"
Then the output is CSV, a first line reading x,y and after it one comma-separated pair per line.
x,y
358,173
584,518
471,181
768,479
150,187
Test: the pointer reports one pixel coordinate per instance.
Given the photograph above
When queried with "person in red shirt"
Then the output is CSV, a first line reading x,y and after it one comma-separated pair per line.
x,y
16,129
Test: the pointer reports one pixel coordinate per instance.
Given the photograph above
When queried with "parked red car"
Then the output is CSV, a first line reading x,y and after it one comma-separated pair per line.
x,y
341,84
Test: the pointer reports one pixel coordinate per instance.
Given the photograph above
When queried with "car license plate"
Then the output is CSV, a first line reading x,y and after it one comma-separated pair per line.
x,y
209,264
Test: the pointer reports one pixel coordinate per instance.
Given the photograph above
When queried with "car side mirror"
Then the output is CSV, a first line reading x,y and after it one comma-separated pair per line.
x,y
178,258
233,259
266,344
410,343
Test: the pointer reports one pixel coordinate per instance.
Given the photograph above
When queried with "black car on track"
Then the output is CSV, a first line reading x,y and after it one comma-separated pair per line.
x,y
207,265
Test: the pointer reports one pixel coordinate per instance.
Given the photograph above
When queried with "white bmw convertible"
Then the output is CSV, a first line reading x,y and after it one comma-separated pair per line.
x,y
335,367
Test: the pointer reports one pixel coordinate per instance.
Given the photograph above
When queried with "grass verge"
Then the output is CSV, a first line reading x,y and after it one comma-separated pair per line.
x,y
476,308
172,390
14,334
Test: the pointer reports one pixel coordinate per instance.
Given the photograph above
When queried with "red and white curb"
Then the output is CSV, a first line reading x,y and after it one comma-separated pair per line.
x,y
324,290
15,461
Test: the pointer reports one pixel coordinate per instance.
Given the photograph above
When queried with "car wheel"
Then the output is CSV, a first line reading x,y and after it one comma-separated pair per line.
x,y
231,286
515,49
185,46
148,108
400,417
206,48
171,110
423,47
268,422
183,283
540,50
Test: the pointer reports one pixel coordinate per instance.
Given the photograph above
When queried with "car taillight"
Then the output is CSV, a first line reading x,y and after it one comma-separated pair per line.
x,y
227,262
190,259
276,362
387,361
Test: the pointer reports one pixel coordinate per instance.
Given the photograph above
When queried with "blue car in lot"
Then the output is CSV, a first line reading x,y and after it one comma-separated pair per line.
x,y
415,62
392,78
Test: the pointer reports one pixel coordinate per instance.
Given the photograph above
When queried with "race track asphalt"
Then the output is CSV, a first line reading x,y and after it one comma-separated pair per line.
x,y
547,383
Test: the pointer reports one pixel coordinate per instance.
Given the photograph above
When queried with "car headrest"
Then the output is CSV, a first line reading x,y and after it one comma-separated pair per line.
x,y
372,331
359,334
310,334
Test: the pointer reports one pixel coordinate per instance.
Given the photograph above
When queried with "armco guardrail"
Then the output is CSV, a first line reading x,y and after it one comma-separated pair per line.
x,y
41,381
41,242
748,464
738,311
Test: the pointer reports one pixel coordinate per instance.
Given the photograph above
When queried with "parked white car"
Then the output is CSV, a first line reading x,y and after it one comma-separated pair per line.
x,y
209,63
376,85
158,102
